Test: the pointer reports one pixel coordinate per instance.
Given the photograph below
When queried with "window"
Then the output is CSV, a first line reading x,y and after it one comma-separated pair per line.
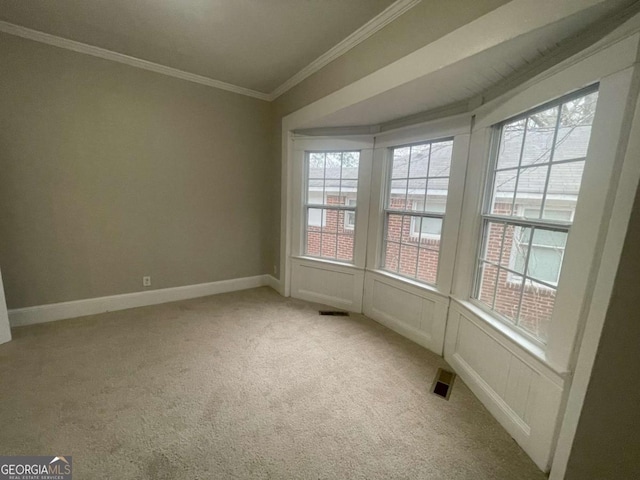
x,y
415,208
330,204
531,196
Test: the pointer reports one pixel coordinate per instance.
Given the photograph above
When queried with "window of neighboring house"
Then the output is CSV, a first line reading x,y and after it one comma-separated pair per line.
x,y
547,249
330,204
350,217
536,167
417,189
429,227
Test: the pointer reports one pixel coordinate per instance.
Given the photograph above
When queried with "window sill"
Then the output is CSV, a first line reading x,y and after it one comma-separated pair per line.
x,y
413,283
328,262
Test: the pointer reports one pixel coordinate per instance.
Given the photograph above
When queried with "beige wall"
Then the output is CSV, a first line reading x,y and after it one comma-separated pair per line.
x,y
421,25
607,440
109,173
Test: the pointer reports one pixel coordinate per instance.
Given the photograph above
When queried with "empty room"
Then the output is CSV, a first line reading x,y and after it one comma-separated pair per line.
x,y
319,239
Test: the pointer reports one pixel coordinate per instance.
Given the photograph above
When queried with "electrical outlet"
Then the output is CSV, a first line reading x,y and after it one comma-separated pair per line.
x,y
146,281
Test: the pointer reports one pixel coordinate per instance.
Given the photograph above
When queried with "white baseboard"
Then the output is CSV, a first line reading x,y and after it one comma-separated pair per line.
x,y
274,283
92,306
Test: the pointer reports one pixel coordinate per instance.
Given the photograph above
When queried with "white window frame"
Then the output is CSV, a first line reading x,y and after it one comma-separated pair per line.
x,y
457,127
303,144
519,221
347,208
413,214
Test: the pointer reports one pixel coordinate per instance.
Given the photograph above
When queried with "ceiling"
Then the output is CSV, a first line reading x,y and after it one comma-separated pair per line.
x,y
471,77
255,44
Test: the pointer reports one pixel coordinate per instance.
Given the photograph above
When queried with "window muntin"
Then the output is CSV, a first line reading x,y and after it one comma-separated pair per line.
x,y
330,204
533,190
415,205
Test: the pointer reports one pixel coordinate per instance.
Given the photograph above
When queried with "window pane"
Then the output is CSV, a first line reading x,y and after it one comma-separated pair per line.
x,y
575,128
510,147
427,265
531,184
408,235
408,260
537,306
520,248
314,219
345,247
431,226
487,283
440,163
349,220
314,191
400,167
394,227
419,161
437,192
504,187
328,245
415,198
330,221
546,255
350,165
313,242
564,186
316,165
349,192
508,294
538,144
398,194
493,242
392,254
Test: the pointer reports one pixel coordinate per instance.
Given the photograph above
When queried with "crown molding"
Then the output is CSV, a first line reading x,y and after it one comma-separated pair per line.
x,y
367,30
56,41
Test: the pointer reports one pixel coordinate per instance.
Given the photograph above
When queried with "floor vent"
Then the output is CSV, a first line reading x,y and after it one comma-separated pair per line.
x,y
335,313
443,383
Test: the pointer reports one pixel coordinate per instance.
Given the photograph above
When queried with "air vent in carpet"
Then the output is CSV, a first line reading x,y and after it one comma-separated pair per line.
x,y
443,383
335,313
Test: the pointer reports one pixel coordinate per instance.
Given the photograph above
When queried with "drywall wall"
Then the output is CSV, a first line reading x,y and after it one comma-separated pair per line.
x,y
607,441
109,173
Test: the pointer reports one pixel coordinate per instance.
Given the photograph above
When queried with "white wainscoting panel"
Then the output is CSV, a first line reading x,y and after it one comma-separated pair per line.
x,y
519,390
414,312
329,283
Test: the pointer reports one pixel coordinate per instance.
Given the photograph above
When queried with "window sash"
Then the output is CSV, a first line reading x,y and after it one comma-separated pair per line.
x,y
349,209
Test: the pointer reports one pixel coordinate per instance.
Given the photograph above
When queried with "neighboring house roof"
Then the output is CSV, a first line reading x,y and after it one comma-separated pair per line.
x,y
565,178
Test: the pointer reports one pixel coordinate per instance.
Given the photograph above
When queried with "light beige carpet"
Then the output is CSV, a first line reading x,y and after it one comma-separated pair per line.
x,y
242,385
